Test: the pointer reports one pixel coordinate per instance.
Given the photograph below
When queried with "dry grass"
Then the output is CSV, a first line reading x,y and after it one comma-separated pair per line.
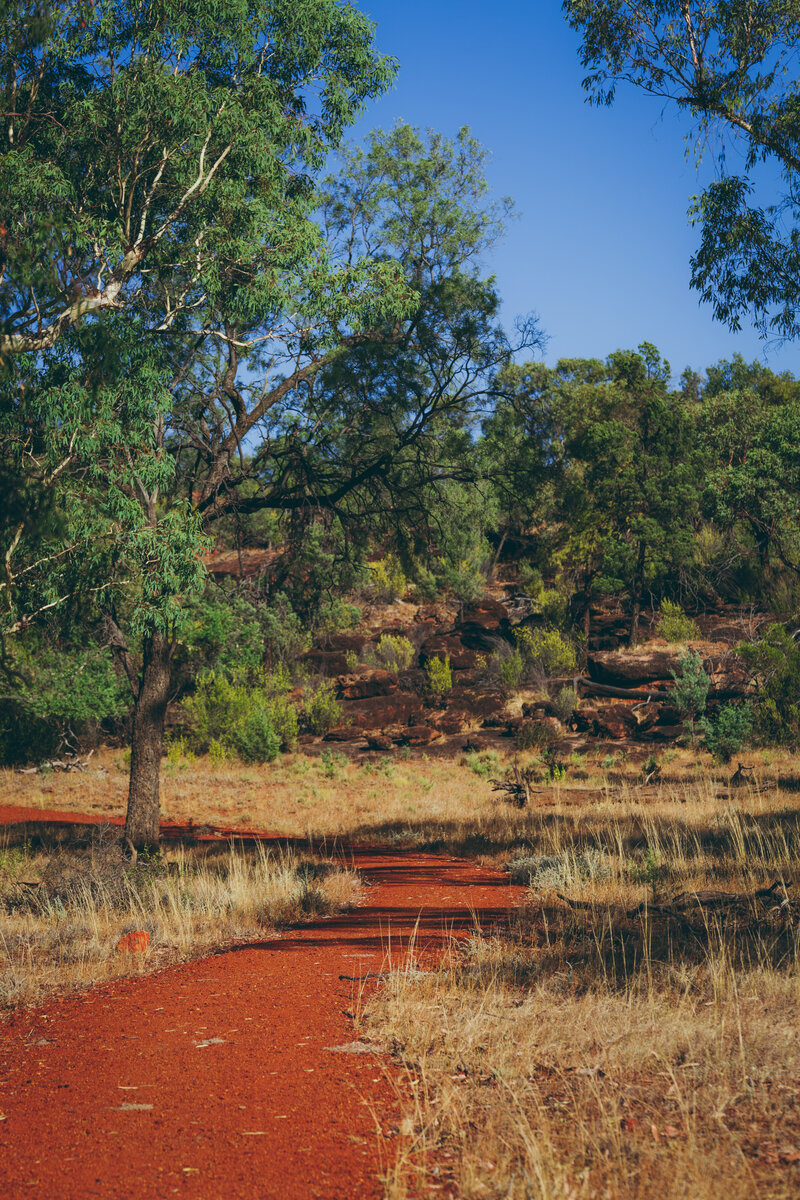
x,y
589,1053
66,901
411,799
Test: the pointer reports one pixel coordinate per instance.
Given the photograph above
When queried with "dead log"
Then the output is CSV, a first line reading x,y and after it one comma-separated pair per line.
x,y
679,905
517,790
591,688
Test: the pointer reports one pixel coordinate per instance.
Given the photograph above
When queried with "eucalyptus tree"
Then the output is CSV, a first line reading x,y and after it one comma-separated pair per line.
x,y
730,65
156,169
320,374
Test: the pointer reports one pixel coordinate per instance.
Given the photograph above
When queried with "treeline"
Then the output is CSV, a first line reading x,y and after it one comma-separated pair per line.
x,y
588,480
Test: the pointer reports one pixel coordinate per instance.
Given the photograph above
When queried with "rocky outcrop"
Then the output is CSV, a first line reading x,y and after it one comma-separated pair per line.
x,y
379,712
462,658
363,685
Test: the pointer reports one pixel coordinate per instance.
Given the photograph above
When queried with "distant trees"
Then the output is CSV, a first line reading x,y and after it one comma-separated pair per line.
x,y
731,66
613,447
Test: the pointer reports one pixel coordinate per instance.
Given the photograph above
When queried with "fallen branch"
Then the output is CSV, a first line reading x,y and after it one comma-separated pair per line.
x,y
517,790
680,904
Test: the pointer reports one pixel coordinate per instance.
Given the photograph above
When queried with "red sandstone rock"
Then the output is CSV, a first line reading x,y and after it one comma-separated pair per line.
x,y
377,712
461,657
418,735
366,684
136,942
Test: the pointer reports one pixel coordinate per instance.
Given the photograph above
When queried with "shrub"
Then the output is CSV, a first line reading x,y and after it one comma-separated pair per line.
x,y
440,676
691,688
545,652
255,738
773,663
673,623
228,717
502,670
485,763
564,703
388,579
351,660
536,735
728,730
395,654
56,694
530,580
321,710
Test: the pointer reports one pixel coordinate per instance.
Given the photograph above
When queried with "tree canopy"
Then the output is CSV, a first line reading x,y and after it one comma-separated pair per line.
x,y
730,66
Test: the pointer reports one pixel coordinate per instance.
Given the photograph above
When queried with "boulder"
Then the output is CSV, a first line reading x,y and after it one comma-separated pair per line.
x,y
136,942
418,735
378,741
365,684
344,733
326,662
614,721
346,641
626,668
462,658
454,721
482,623
377,712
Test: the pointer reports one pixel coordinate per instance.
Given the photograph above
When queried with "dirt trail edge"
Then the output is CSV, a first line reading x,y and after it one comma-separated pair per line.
x,y
221,1079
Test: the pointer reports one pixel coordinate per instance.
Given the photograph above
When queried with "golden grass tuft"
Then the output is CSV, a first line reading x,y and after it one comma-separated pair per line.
x,y
64,905
595,1053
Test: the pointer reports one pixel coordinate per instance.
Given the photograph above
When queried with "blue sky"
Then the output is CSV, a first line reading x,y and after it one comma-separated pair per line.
x,y
601,247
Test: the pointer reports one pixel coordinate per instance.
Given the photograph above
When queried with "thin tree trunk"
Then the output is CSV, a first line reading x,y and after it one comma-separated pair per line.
x,y
638,589
150,708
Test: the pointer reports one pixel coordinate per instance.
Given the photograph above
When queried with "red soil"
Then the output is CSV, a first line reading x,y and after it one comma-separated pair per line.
x,y
216,1079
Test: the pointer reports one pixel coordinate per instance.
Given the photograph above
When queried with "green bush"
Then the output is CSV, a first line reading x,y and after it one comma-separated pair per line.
x,y
691,688
255,738
545,652
510,669
55,694
439,675
727,731
674,625
564,703
388,580
773,664
394,654
321,710
233,717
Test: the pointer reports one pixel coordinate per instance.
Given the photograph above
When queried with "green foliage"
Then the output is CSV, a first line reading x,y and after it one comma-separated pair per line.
x,y
388,580
510,669
439,676
545,652
394,654
321,710
673,623
773,663
484,764
649,869
730,67
564,703
351,660
231,718
254,736
691,688
53,693
727,731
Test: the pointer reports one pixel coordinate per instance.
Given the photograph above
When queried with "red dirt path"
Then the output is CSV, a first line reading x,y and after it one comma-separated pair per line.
x,y
112,1093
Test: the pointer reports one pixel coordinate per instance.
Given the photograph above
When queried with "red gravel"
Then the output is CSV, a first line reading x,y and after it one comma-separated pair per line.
x,y
215,1080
